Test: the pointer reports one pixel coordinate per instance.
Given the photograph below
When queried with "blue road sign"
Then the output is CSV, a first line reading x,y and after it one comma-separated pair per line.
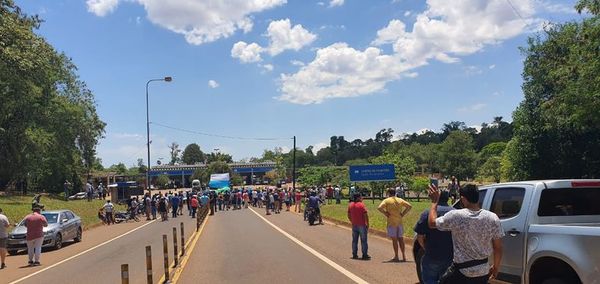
x,y
384,172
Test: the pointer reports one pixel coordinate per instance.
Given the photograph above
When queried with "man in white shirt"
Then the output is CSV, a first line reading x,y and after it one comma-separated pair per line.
x,y
4,224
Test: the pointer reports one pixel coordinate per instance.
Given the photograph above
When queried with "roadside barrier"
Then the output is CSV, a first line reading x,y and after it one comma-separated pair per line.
x,y
175,247
166,258
149,265
202,213
182,240
124,273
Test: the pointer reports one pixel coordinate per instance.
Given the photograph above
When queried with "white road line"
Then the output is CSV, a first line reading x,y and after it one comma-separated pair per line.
x,y
336,266
81,253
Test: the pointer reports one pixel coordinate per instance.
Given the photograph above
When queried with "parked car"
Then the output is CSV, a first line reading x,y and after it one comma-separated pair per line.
x,y
63,225
552,230
77,196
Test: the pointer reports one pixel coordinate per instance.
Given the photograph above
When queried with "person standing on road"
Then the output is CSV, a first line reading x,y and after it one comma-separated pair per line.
x,y
35,223
108,212
313,202
4,224
66,189
476,234
395,209
174,205
90,191
359,217
338,194
193,205
436,244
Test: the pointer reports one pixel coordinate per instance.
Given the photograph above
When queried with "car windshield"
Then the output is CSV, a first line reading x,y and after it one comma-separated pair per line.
x,y
51,217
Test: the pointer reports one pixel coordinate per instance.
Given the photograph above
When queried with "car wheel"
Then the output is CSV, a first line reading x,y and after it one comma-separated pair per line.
x,y
13,252
58,241
79,236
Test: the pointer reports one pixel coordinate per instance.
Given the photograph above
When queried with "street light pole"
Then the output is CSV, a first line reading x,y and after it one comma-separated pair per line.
x,y
166,79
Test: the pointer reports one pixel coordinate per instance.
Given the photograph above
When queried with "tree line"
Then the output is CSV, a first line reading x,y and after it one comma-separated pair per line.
x,y
49,127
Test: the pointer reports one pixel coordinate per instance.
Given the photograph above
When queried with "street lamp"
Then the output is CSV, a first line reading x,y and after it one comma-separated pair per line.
x,y
166,79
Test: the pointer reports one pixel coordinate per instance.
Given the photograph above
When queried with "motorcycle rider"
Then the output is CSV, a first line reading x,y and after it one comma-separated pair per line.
x,y
313,202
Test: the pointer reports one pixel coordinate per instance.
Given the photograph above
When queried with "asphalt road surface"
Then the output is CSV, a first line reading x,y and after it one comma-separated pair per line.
x,y
240,246
102,254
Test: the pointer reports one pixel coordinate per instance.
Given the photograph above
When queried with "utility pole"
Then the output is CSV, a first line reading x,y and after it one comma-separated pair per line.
x,y
294,166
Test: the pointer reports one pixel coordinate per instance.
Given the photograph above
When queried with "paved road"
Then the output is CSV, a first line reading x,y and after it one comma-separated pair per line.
x,y
240,246
103,264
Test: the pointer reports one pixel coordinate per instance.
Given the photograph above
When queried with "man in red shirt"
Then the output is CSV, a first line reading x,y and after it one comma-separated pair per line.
x,y
35,223
194,205
357,214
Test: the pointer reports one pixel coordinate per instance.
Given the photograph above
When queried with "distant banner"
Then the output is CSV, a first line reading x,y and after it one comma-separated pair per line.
x,y
384,172
219,180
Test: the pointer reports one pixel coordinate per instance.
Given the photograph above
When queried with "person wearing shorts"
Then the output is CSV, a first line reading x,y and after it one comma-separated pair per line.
x,y
394,208
4,224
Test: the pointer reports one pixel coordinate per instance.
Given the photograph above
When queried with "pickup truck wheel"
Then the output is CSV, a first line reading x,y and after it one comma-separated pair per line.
x,y
13,252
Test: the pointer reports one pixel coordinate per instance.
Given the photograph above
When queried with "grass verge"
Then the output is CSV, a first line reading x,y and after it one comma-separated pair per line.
x,y
376,219
17,207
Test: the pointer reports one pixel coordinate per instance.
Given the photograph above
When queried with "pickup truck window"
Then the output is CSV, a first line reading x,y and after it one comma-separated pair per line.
x,y
507,202
569,202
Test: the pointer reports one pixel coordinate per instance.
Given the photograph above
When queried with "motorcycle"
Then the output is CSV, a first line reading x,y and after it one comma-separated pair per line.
x,y
312,215
123,216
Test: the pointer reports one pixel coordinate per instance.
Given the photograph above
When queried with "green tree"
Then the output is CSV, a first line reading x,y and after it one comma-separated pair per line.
x,y
491,169
174,152
192,154
458,156
141,167
49,127
419,186
162,181
557,125
404,166
119,168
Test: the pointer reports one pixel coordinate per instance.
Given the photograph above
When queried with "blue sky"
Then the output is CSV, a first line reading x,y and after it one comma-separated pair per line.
x,y
277,68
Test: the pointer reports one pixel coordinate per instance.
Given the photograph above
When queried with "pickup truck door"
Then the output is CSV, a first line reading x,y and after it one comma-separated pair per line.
x,y
511,204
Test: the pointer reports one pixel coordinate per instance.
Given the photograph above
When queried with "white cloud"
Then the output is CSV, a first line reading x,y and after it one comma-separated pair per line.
x,y
268,67
297,63
475,107
492,66
247,53
390,34
101,7
472,70
321,3
341,71
407,13
198,21
283,36
334,3
445,31
213,84
319,146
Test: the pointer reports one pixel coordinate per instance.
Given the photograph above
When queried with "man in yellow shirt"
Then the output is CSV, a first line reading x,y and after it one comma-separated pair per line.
x,y
394,209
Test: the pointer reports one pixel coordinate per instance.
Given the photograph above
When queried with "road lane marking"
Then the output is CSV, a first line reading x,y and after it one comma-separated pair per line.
x,y
81,253
336,266
178,272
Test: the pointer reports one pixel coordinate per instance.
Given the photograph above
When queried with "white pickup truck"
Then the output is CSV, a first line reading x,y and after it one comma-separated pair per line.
x,y
552,230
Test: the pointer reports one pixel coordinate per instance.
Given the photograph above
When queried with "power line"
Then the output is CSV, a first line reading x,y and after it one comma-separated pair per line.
x,y
220,136
515,9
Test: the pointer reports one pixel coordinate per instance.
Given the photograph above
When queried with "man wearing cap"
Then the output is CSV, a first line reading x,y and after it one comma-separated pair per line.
x,y
35,223
357,214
